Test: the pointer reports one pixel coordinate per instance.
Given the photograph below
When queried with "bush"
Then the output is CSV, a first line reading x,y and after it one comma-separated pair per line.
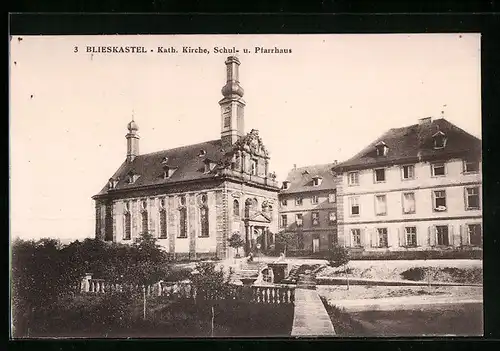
x,y
445,274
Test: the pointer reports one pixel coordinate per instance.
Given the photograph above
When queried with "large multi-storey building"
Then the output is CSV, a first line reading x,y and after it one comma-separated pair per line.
x,y
192,198
414,188
308,207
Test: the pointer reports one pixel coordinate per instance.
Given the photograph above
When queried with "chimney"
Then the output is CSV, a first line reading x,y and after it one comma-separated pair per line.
x,y
294,166
424,120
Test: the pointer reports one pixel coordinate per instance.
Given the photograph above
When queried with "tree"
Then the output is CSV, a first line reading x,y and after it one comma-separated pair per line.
x,y
40,275
339,256
235,241
285,241
210,285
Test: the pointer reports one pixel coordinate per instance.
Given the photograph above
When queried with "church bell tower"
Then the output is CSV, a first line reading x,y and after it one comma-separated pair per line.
x,y
232,105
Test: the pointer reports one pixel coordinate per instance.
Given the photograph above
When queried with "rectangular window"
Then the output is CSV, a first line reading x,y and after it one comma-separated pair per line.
x,y
284,221
471,166
298,201
356,237
315,199
438,169
315,218
353,178
439,200
354,205
379,175
408,203
408,172
332,198
472,201
283,202
442,235
332,218
380,205
298,219
475,236
163,224
411,236
253,169
382,237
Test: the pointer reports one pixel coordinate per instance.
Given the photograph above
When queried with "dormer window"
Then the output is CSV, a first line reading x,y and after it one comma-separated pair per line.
x,y
112,183
317,180
439,140
381,148
286,184
202,153
209,165
132,177
168,171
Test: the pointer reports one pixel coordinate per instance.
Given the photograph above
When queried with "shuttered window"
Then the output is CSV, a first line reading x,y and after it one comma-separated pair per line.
x,y
442,235
356,237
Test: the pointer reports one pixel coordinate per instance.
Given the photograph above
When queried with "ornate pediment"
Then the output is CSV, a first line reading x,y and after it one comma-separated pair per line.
x,y
251,143
260,217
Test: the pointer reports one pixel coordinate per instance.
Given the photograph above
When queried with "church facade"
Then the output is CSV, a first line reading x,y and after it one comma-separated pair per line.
x,y
193,198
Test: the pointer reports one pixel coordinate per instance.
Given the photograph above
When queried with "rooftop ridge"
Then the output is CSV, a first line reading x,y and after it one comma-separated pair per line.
x,y
179,147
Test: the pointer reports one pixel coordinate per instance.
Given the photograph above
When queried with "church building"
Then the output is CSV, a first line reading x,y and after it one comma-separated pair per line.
x,y
193,198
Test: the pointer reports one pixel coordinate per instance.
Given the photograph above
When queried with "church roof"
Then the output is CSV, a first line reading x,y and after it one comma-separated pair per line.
x,y
413,144
188,162
301,179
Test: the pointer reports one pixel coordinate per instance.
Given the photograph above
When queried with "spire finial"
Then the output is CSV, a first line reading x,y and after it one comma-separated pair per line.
x,y
132,115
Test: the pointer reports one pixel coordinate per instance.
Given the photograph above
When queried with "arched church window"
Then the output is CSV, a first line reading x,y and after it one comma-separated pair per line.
x,y
127,222
204,221
182,218
163,219
182,223
236,208
144,221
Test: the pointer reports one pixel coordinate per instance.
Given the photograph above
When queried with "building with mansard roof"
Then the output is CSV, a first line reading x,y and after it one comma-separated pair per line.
x,y
414,188
308,207
192,198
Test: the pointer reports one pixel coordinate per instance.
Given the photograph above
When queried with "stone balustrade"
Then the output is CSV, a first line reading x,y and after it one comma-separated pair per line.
x,y
250,293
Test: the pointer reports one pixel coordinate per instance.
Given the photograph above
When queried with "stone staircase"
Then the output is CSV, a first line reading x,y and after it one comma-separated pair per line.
x,y
247,269
307,281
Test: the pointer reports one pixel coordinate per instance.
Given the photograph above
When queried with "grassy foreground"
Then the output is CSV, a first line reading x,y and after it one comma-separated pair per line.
x,y
450,320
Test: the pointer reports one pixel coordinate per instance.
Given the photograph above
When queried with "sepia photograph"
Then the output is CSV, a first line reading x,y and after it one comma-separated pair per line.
x,y
194,186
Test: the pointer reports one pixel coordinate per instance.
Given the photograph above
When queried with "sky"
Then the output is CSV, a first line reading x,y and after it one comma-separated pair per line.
x,y
324,101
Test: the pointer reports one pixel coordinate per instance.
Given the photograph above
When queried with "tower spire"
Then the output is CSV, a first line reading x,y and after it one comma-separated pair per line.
x,y
232,104
132,139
